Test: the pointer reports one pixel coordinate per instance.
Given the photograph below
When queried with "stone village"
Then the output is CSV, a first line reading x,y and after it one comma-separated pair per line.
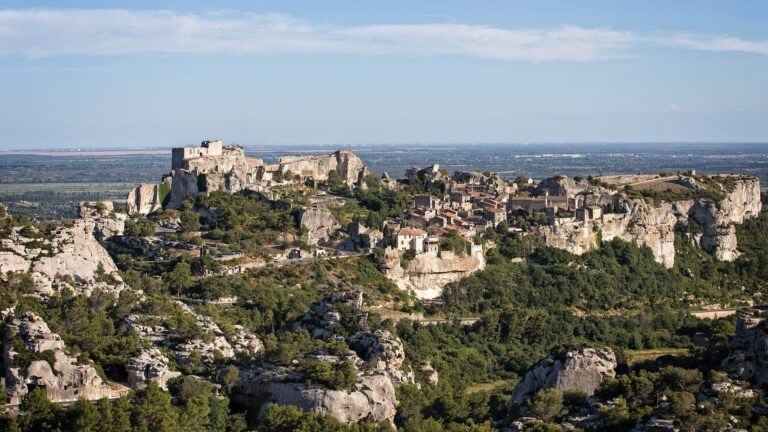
x,y
574,214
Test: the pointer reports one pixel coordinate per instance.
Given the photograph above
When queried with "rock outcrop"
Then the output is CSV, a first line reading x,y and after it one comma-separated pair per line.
x,y
215,167
377,359
653,225
373,396
216,345
68,255
145,198
427,274
320,224
34,356
350,168
748,358
582,370
561,186
150,365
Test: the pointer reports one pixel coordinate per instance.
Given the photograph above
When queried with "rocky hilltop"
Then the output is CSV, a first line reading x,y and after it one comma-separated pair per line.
x,y
583,370
376,364
427,274
215,167
67,255
653,224
34,356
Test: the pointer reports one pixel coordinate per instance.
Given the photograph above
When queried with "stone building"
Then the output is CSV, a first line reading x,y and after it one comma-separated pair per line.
x,y
410,239
206,149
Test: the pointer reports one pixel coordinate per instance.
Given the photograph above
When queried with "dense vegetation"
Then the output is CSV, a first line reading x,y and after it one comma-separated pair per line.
x,y
529,300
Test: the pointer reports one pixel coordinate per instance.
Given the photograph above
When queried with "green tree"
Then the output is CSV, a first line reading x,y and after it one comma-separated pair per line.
x,y
85,417
229,377
189,221
180,278
39,413
545,404
152,411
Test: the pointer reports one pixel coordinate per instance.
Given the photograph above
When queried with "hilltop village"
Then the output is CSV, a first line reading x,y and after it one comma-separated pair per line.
x,y
441,209
313,294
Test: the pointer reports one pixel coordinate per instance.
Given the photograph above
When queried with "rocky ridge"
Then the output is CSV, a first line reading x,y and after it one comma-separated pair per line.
x,y
377,360
653,225
68,256
152,365
48,365
233,171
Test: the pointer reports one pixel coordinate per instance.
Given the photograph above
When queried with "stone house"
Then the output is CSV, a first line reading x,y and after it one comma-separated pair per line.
x,y
410,239
426,201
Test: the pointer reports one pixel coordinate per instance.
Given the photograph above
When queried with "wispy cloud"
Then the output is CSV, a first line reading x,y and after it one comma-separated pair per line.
x,y
714,43
36,33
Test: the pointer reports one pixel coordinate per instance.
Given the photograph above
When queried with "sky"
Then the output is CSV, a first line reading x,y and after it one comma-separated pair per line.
x,y
97,74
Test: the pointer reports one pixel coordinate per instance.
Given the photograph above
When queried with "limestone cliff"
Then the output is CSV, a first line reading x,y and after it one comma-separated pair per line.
x,y
320,224
427,274
232,171
61,375
66,252
350,168
583,370
653,225
145,198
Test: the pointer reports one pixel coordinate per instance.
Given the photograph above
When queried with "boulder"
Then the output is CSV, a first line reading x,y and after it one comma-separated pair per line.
x,y
373,396
562,370
385,351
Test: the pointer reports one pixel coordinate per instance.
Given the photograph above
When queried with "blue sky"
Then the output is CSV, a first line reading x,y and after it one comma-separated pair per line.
x,y
162,73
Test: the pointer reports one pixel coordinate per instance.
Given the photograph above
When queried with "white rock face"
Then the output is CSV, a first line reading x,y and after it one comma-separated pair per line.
x,y
386,351
582,370
372,398
144,199
75,251
150,365
222,344
350,167
427,274
654,225
67,381
320,223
